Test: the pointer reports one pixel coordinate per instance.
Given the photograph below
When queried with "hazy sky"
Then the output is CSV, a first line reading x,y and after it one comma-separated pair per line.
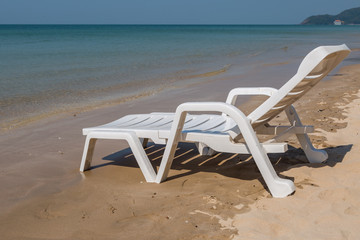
x,y
166,11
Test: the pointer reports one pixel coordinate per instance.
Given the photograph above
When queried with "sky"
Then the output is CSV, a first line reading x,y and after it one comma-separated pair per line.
x,y
167,11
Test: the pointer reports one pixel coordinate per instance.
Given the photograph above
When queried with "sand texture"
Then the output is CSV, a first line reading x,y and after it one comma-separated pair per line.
x,y
43,195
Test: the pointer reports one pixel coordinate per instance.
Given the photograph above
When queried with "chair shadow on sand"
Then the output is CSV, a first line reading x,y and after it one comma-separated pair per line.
x,y
229,165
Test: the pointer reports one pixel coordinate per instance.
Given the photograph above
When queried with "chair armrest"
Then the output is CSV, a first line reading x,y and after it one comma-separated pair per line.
x,y
232,96
224,108
221,107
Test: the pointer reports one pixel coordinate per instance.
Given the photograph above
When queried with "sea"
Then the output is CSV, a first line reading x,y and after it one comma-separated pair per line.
x,y
52,69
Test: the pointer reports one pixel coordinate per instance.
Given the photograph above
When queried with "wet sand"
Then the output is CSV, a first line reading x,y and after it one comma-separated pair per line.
x,y
43,196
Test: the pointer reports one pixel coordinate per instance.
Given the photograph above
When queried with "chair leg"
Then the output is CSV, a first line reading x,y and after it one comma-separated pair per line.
x,y
170,148
204,150
144,142
141,157
278,187
87,153
313,155
134,143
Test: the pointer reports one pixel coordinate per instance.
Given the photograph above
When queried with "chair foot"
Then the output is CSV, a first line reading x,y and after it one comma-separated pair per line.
x,y
316,156
281,188
313,155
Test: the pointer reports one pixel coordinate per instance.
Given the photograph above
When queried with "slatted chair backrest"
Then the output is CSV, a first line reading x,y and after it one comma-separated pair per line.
x,y
315,66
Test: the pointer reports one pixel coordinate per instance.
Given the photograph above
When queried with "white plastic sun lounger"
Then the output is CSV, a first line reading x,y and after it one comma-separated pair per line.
x,y
221,133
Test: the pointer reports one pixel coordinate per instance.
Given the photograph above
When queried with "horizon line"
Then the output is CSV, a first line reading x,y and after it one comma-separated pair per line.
x,y
152,24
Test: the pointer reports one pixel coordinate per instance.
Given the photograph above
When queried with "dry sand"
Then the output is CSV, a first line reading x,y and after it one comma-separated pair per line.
x,y
43,196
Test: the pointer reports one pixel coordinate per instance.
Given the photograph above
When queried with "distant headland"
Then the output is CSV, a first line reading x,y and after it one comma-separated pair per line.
x,y
347,17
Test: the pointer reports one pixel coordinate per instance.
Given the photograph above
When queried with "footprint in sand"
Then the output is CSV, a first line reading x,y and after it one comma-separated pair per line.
x,y
46,213
351,211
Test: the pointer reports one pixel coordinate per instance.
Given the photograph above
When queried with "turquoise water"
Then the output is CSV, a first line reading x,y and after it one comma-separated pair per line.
x,y
54,68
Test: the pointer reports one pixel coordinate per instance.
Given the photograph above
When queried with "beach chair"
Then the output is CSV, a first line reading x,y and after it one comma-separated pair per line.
x,y
230,131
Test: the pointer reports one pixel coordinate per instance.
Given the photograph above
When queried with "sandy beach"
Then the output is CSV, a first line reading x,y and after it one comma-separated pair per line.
x,y
43,195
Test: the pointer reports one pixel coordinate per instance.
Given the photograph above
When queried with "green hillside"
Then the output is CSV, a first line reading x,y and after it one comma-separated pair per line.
x,y
350,16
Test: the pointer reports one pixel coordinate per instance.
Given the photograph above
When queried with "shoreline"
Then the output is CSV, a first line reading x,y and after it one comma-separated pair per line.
x,y
164,89
211,198
64,109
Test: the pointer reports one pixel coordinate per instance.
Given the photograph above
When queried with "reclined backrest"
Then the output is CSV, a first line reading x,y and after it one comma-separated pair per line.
x,y
315,66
